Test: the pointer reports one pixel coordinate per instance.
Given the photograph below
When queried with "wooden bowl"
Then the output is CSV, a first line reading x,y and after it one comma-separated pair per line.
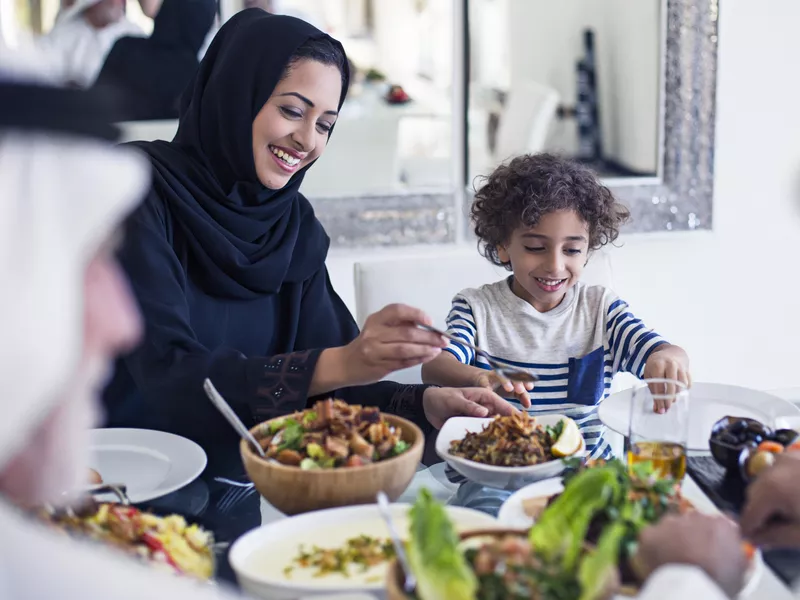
x,y
293,491
394,574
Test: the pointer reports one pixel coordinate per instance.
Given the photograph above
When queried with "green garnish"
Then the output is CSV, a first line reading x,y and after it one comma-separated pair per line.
x,y
555,431
399,448
292,433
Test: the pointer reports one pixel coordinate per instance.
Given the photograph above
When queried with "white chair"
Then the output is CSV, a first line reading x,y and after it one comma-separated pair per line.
x,y
430,284
526,118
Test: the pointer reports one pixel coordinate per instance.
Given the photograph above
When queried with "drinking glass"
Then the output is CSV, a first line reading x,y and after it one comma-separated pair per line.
x,y
659,437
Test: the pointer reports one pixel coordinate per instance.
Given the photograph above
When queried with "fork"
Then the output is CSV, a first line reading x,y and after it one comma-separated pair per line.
x,y
500,367
233,496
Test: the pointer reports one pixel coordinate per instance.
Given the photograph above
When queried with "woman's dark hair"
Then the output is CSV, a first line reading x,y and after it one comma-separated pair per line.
x,y
519,193
325,51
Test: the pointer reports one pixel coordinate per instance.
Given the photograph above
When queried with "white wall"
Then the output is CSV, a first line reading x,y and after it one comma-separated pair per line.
x,y
730,297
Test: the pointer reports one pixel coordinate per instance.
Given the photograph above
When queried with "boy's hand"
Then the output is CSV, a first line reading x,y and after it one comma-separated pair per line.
x,y
667,362
500,385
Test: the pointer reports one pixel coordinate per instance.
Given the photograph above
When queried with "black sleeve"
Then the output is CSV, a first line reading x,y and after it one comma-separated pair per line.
x,y
318,329
170,365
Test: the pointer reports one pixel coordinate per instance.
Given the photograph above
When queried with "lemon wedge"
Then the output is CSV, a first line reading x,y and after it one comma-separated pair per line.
x,y
570,440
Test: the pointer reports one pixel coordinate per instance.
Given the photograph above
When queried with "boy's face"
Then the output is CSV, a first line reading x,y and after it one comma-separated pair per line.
x,y
547,259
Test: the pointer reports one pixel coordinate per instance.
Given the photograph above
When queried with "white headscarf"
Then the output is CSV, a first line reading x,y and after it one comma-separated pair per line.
x,y
62,197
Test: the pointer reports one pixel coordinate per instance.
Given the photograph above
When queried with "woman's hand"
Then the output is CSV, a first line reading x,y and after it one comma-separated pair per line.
x,y
442,403
667,362
493,381
390,341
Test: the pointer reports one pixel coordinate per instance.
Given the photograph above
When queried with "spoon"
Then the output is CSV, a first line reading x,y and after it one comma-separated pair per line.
x,y
227,412
499,367
410,583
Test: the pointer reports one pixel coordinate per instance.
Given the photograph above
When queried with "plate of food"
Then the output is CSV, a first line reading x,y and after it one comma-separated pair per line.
x,y
333,454
577,547
709,402
149,463
333,551
508,452
167,542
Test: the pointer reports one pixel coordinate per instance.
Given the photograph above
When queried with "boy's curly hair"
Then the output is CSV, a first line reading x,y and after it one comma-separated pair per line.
x,y
519,193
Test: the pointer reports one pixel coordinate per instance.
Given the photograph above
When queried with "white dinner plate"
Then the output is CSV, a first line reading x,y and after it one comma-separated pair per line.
x,y
150,463
513,516
709,402
497,477
512,513
260,557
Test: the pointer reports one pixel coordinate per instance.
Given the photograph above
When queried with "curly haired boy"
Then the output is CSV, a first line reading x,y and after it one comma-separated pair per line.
x,y
541,217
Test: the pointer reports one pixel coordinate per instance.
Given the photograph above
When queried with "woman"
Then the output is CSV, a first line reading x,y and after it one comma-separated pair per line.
x,y
227,259
65,313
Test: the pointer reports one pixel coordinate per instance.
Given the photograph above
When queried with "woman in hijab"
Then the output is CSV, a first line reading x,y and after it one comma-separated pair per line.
x,y
227,259
150,74
65,313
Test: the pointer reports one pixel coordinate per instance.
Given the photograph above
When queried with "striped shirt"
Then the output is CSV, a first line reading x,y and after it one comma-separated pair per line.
x,y
575,349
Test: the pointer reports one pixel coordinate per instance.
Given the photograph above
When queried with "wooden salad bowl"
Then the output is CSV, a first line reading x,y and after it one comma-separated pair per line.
x,y
293,490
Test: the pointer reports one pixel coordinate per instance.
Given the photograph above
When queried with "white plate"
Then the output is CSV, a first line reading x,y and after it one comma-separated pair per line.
x,y
150,463
260,556
512,515
498,477
709,403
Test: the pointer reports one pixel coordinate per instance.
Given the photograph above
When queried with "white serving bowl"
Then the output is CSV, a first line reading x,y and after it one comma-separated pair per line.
x,y
488,475
259,557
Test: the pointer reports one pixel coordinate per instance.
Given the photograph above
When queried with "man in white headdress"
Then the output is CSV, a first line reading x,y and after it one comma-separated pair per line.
x,y
65,313
82,37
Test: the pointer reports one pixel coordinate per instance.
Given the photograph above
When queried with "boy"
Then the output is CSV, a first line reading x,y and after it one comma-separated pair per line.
x,y
541,216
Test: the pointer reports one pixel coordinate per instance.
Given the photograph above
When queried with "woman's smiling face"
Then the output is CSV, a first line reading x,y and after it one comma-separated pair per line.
x,y
291,130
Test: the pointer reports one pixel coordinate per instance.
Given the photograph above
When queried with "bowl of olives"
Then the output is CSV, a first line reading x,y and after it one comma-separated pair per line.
x,y
736,442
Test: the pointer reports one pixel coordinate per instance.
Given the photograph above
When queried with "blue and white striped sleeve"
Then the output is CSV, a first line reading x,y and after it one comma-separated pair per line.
x,y
461,324
631,342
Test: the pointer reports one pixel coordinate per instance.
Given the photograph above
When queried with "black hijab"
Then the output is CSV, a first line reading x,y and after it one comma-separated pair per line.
x,y
243,239
152,72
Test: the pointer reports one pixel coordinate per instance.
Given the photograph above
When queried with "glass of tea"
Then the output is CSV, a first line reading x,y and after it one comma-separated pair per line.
x,y
659,426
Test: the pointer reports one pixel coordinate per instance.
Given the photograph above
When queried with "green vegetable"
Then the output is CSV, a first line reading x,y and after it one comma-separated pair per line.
x,y
399,448
276,426
307,464
555,431
441,569
598,569
292,433
561,530
314,450
319,455
309,417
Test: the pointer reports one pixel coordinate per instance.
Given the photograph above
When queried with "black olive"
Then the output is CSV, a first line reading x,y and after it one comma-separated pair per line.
x,y
785,436
752,436
728,438
737,427
756,427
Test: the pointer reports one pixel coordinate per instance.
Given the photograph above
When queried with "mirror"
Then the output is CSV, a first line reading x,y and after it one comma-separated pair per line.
x,y
580,78
394,133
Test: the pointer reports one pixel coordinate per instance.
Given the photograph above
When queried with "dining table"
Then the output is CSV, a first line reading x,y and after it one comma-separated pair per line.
x,y
203,501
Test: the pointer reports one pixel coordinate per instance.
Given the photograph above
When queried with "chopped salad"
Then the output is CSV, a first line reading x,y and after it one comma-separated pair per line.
x,y
331,435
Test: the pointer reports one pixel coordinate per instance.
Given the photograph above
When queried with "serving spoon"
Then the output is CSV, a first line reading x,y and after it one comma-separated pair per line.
x,y
410,582
227,412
